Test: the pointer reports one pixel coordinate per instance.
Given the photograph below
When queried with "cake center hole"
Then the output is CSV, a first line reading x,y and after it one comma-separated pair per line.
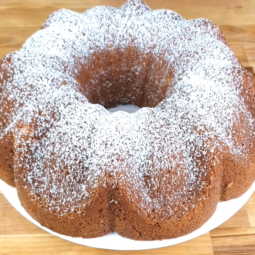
x,y
130,108
125,79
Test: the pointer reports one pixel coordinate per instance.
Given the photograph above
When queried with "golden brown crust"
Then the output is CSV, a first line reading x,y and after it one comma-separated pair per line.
x,y
6,160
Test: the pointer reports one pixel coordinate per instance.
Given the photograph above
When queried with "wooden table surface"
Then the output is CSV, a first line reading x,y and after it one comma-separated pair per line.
x,y
21,18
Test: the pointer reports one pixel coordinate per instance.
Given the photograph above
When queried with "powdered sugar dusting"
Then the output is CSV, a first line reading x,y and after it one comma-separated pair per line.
x,y
76,145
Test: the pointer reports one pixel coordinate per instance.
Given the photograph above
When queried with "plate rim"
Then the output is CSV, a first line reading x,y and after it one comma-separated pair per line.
x,y
106,242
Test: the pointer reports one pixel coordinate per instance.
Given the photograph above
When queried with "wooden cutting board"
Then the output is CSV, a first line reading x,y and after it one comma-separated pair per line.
x,y
21,18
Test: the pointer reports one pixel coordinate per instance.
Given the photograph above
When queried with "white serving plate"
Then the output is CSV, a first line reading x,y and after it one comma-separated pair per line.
x,y
113,241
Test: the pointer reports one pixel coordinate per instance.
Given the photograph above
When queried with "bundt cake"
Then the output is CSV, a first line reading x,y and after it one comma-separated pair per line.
x,y
158,173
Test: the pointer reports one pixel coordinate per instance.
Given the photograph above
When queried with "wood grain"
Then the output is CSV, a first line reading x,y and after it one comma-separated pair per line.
x,y
236,18
251,210
48,244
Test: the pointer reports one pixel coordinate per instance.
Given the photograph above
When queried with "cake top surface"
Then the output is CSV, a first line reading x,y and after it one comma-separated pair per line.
x,y
159,148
